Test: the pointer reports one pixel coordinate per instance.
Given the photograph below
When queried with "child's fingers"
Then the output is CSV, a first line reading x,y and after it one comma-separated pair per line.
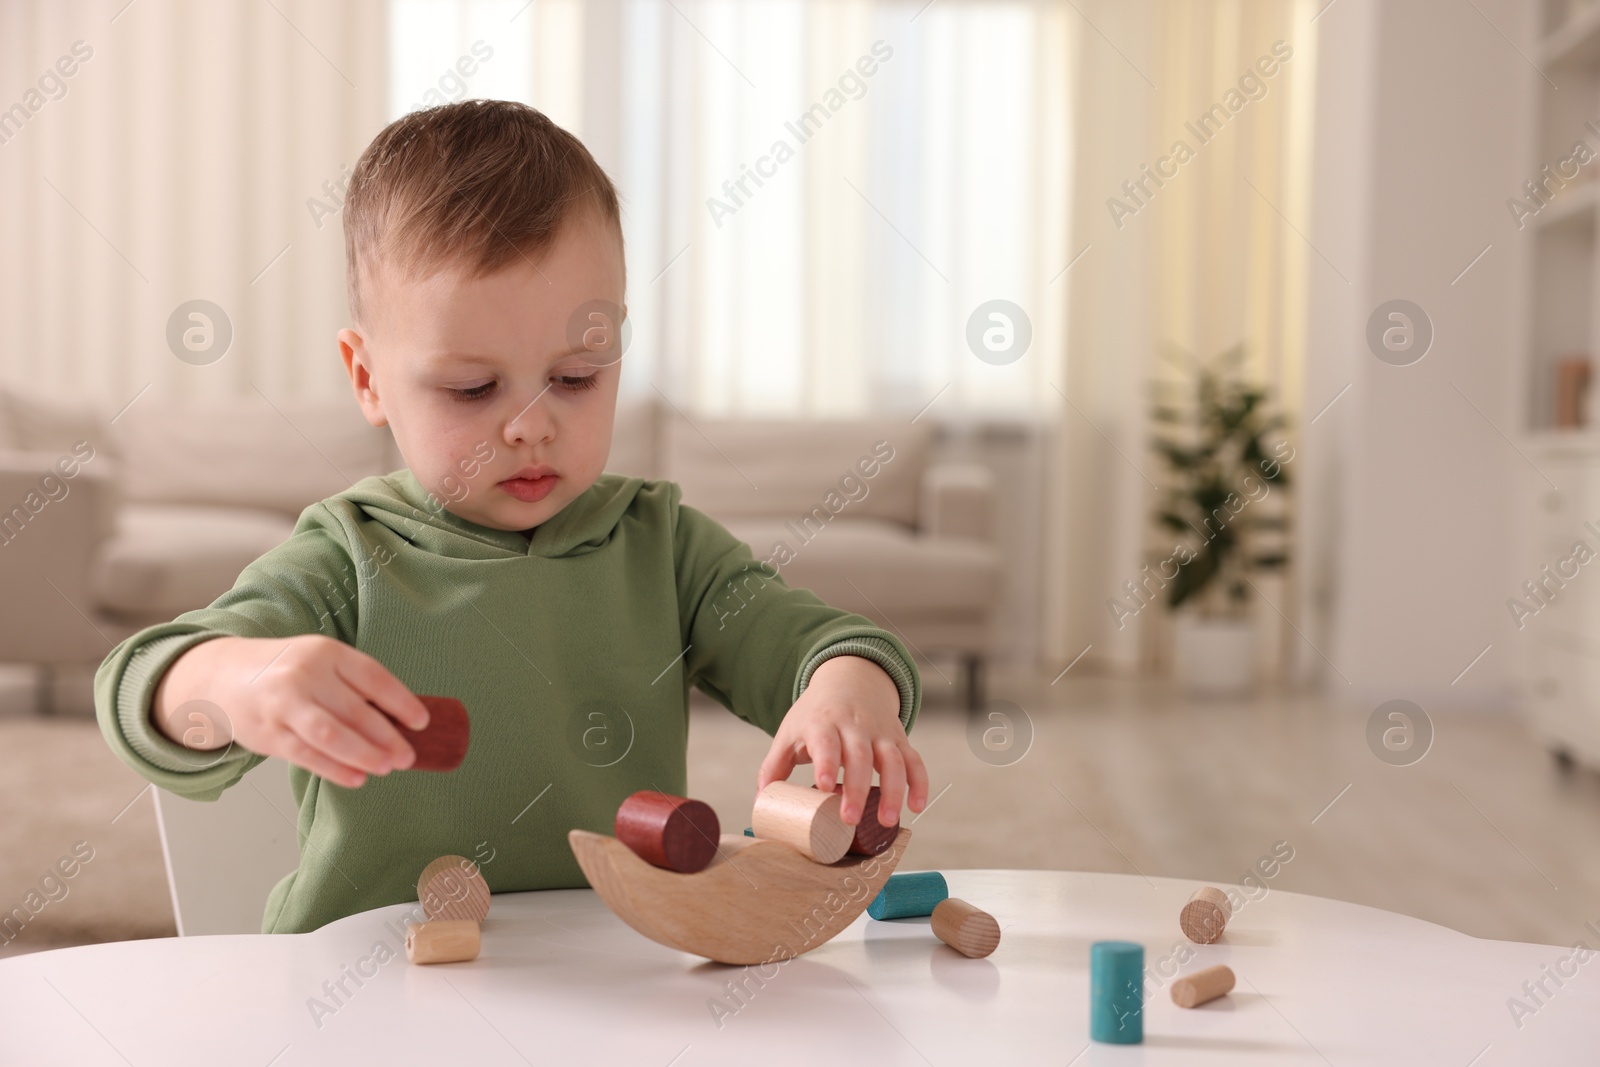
x,y
373,681
857,776
326,732
776,767
891,780
373,726
916,775
823,744
296,751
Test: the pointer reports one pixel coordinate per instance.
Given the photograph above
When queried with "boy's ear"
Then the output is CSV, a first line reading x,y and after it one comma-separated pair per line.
x,y
358,364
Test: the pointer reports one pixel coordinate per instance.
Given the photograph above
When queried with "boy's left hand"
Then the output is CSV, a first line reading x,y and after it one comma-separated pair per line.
x,y
849,713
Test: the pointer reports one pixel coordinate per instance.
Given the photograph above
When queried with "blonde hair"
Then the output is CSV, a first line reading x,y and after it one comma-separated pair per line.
x,y
476,182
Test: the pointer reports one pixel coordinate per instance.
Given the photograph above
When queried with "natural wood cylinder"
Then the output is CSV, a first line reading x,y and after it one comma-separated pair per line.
x,y
442,744
443,941
968,930
1194,989
451,887
675,833
803,818
1206,915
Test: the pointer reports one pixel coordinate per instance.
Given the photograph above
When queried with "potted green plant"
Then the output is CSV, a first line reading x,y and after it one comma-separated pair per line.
x,y
1224,456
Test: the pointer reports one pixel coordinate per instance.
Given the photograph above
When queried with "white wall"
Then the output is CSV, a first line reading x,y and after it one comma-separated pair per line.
x,y
1420,138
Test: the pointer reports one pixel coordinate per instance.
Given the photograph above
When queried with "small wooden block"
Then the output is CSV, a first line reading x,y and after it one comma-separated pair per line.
x,y
1116,992
1195,989
871,836
674,833
803,818
1206,915
966,929
442,744
451,887
443,941
906,896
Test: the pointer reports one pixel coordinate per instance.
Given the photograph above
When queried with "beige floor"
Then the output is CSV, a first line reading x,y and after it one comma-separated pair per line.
x,y
1483,835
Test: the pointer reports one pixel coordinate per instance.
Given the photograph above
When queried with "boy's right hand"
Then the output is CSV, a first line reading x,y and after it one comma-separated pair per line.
x,y
309,699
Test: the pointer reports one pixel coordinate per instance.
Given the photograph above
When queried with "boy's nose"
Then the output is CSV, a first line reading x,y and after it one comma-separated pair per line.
x,y
533,422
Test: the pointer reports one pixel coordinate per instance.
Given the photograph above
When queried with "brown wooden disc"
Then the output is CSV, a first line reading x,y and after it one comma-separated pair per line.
x,y
1206,915
675,833
451,887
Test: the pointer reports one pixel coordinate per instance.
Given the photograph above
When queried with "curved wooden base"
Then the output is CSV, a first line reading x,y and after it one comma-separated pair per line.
x,y
759,901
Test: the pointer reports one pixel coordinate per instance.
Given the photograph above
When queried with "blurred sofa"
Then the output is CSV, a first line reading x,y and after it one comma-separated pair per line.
x,y
167,502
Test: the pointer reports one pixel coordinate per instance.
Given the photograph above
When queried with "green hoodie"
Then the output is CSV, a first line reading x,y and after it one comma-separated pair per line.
x,y
573,647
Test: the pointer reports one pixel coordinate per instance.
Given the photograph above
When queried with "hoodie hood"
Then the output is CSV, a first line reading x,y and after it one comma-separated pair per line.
x,y
399,502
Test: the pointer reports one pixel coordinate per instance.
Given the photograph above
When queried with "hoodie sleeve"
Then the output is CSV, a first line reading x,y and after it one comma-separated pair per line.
x,y
752,641
306,585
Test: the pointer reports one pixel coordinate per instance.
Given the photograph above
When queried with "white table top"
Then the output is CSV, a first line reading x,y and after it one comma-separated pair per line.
x,y
562,980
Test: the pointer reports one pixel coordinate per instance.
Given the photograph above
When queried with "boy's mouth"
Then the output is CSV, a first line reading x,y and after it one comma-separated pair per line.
x,y
531,484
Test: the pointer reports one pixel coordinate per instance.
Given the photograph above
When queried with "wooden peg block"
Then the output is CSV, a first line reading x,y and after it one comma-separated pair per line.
x,y
871,836
803,818
1116,992
1206,915
442,744
451,887
906,896
1195,989
443,941
968,930
675,833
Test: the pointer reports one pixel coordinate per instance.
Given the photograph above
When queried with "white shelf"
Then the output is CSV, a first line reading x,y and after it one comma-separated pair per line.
x,y
1584,440
1577,43
1576,205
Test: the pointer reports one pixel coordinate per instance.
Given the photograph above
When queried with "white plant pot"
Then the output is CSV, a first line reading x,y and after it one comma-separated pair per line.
x,y
1215,656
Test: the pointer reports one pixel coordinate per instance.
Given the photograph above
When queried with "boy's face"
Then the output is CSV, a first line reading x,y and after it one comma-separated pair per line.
x,y
481,379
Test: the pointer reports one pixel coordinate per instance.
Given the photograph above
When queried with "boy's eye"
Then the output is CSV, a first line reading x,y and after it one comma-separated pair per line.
x,y
477,392
576,383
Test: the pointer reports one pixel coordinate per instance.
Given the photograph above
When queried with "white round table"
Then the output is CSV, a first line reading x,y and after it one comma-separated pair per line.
x,y
562,980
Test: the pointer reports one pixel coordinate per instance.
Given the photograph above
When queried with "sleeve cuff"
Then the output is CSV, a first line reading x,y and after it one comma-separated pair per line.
x,y
878,651
135,694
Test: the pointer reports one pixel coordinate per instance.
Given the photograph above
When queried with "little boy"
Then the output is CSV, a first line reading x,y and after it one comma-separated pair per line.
x,y
568,609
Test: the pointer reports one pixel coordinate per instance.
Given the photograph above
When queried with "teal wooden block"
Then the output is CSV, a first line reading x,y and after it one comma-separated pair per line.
x,y
749,832
1116,992
907,895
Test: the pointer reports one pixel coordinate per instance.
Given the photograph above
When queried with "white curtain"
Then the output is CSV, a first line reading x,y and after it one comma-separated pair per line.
x,y
1213,257
178,164
933,176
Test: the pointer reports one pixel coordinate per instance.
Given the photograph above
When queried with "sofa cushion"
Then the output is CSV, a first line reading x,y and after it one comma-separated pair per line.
x,y
33,422
283,456
788,467
165,559
896,572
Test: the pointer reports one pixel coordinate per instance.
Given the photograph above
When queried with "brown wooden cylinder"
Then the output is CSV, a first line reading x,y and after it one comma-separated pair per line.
x,y
1195,989
1206,915
442,744
969,930
451,887
443,941
871,836
676,833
